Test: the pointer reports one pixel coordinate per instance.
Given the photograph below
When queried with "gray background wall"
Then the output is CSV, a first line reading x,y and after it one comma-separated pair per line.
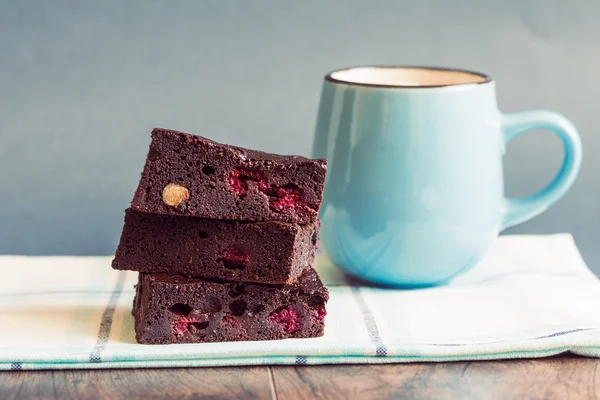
x,y
82,83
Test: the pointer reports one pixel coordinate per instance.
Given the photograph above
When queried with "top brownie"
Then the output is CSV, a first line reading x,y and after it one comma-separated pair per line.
x,y
194,176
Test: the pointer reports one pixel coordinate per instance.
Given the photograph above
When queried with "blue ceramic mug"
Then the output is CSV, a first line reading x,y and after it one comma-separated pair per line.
x,y
414,193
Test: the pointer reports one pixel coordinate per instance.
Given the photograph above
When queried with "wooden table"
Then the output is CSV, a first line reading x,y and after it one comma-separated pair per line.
x,y
564,377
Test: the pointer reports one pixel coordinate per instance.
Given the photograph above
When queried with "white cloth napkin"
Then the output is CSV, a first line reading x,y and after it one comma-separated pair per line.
x,y
532,296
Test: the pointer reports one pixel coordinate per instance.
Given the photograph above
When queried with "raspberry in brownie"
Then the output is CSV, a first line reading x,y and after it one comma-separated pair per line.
x,y
176,309
265,252
194,176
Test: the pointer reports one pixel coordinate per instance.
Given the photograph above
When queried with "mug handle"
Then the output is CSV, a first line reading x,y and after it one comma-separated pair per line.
x,y
522,209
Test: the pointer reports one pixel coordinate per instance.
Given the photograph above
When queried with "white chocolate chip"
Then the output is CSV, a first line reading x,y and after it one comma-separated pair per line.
x,y
173,194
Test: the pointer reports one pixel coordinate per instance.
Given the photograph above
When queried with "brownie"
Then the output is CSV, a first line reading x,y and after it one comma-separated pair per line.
x,y
177,309
265,252
190,175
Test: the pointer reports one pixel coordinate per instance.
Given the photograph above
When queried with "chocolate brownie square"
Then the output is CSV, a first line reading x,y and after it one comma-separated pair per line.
x,y
194,176
176,309
265,252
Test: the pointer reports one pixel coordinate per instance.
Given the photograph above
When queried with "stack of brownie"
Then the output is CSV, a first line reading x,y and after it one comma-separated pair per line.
x,y
223,239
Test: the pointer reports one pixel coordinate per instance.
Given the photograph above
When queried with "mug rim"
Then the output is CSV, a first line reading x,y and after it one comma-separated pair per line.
x,y
330,78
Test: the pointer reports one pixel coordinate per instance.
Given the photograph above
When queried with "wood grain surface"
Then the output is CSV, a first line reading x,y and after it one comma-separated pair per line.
x,y
566,377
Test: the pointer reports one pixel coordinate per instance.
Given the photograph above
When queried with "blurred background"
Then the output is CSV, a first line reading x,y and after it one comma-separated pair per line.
x,y
82,83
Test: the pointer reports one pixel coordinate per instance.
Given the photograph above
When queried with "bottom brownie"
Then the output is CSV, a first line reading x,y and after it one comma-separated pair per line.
x,y
177,309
